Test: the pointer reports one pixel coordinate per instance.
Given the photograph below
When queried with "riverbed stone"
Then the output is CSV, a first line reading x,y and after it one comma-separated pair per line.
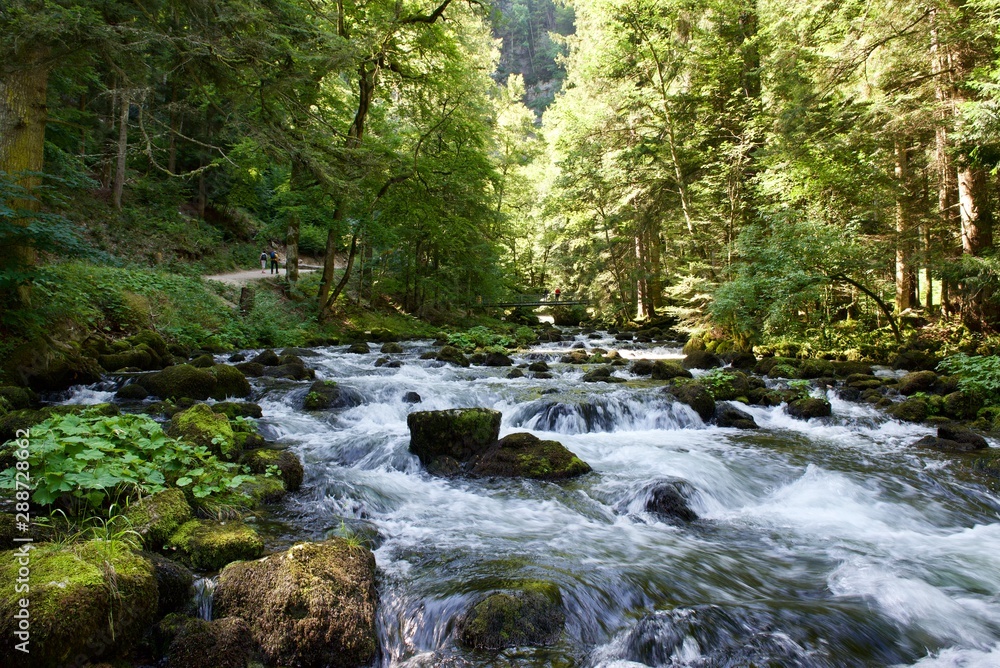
x,y
669,498
196,643
524,455
288,463
208,545
391,348
266,358
359,348
915,360
458,434
497,359
695,395
668,370
230,382
601,375
727,415
202,426
816,368
917,381
960,434
312,606
322,394
180,381
251,369
452,355
766,364
515,373
642,367
292,371
701,359
131,392
913,409
74,614
961,405
411,398
155,518
235,409
808,408
528,615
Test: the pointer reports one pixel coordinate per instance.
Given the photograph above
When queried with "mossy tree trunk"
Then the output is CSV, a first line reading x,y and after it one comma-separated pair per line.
x,y
22,141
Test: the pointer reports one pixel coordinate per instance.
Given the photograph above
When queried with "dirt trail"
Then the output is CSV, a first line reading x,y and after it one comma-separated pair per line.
x,y
244,277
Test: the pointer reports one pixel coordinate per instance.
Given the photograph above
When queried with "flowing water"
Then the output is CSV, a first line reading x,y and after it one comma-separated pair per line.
x,y
820,543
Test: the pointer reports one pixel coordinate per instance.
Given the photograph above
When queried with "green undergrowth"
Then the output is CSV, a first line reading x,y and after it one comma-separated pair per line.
x,y
90,462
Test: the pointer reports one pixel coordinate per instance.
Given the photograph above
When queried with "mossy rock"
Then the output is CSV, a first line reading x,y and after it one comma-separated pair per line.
x,y
312,606
601,375
392,348
694,344
288,463
849,368
230,382
235,409
452,355
727,415
250,369
359,348
917,381
460,433
248,441
641,367
701,359
181,381
131,392
913,409
530,615
783,371
816,369
150,339
174,584
808,408
203,361
195,643
202,426
915,360
13,397
289,372
764,366
208,545
961,405
515,373
665,370
670,499
524,455
88,601
260,490
695,395
45,369
155,518
322,395
728,385
9,530
266,358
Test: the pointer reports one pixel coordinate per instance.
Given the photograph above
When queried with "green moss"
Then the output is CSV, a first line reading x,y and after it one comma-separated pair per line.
x,y
209,545
202,426
181,381
525,455
87,600
288,464
664,370
530,615
262,489
157,517
230,382
912,410
17,398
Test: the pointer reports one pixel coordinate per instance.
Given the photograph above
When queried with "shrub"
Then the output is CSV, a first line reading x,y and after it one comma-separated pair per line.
x,y
96,460
978,374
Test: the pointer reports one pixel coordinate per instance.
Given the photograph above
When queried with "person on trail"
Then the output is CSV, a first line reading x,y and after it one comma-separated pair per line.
x,y
558,292
263,261
274,262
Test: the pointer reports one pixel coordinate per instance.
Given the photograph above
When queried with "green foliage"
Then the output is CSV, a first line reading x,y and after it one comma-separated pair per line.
x,y
485,338
978,374
97,460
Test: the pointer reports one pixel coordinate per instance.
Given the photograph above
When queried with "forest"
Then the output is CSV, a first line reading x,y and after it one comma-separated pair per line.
x,y
296,294
798,170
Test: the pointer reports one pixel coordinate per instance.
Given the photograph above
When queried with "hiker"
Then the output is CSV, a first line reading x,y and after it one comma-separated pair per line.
x,y
558,292
274,262
263,261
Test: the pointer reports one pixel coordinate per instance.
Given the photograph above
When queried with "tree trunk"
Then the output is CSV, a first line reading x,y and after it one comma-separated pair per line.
x,y
973,205
22,144
904,274
119,185
296,181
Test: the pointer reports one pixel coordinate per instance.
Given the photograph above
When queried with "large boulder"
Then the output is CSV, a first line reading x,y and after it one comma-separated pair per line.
x,y
174,584
528,615
701,359
809,407
695,395
312,606
959,434
917,381
87,601
196,643
208,545
266,358
497,359
450,437
291,371
230,382
915,360
668,370
288,464
727,415
728,385
524,455
452,355
202,426
182,381
914,409
155,518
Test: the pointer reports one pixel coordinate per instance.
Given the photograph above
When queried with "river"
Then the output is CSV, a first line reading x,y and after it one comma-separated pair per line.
x,y
820,543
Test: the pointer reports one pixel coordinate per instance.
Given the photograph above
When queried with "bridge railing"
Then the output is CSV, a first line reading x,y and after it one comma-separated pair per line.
x,y
536,300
